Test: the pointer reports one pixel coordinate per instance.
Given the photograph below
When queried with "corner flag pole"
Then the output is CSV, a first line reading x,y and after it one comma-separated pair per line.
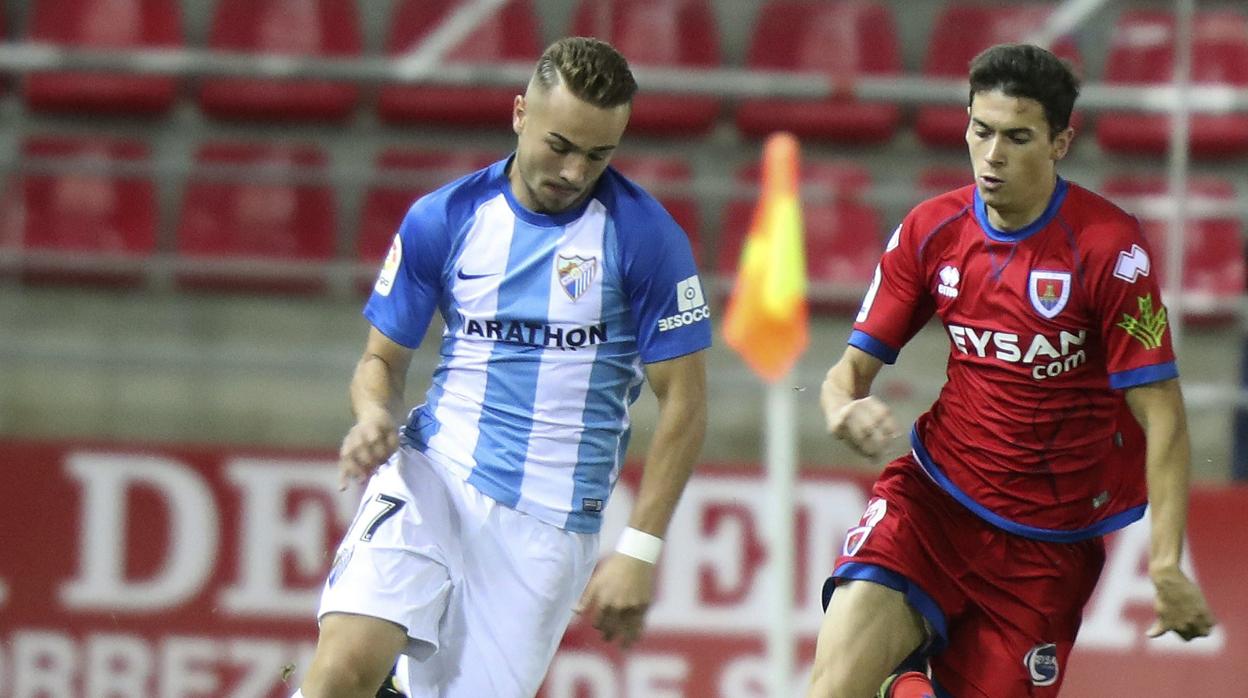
x,y
781,444
766,323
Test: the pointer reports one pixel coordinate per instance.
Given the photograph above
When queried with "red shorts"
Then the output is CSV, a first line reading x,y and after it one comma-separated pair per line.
x,y
1005,609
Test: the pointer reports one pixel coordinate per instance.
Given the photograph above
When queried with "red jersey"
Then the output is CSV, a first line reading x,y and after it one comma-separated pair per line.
x,y
1047,325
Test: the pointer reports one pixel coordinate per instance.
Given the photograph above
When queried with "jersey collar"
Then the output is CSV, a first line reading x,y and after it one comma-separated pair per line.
x,y
1055,202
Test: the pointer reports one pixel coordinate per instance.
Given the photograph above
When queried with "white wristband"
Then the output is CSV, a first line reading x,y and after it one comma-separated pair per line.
x,y
639,545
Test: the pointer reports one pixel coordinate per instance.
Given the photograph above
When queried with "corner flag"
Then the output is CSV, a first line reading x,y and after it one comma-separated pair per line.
x,y
766,321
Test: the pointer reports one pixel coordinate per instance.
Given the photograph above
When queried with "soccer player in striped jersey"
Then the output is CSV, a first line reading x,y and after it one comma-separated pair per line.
x,y
979,548
563,287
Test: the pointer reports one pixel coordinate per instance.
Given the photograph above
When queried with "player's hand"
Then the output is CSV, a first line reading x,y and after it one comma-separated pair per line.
x,y
617,598
1180,606
370,443
866,424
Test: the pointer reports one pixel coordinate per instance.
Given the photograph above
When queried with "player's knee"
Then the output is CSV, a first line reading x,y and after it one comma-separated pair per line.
x,y
836,680
339,671
353,656
342,677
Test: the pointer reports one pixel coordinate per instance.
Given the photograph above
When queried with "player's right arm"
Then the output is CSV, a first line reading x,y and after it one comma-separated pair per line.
x,y
853,415
894,308
402,304
377,402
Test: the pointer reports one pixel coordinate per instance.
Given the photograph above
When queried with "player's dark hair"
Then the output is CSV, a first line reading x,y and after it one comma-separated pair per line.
x,y
592,70
1023,70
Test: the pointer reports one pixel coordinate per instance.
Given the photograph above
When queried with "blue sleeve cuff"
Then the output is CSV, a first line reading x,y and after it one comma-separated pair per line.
x,y
379,321
1143,375
675,351
873,346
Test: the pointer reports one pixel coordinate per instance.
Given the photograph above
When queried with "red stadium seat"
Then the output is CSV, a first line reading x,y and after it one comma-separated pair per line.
x,y
669,180
69,206
403,177
1213,268
659,33
328,28
935,181
843,39
843,233
961,32
1142,52
104,25
261,204
510,35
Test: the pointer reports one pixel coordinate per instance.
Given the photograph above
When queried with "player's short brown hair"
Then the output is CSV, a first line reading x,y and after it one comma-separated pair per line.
x,y
1023,70
590,69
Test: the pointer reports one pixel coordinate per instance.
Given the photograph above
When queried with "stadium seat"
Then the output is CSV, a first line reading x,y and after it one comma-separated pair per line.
x,y
669,179
952,47
318,28
659,33
843,233
935,181
510,35
104,25
269,205
404,175
82,222
844,39
1142,52
1213,268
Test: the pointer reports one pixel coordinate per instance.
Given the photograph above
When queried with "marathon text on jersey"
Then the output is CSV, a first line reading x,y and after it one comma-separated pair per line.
x,y
535,334
1049,357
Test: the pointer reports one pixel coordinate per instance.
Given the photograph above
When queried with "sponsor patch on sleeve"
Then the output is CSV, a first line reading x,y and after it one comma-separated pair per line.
x,y
389,268
689,294
1149,326
690,304
1132,265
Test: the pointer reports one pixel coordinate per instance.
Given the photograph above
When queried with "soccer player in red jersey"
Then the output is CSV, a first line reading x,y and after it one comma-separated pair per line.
x,y
1060,419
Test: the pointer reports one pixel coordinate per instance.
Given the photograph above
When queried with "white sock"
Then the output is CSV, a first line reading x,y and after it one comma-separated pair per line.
x,y
298,694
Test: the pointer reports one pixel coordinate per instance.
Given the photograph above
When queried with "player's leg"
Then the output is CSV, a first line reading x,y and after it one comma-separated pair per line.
x,y
1015,639
390,584
353,656
890,592
521,578
867,631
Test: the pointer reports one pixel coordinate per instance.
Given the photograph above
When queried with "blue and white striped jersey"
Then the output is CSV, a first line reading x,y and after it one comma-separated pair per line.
x,y
549,319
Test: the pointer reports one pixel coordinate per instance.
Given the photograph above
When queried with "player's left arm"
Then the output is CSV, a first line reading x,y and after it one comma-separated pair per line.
x,y
680,386
1180,604
620,591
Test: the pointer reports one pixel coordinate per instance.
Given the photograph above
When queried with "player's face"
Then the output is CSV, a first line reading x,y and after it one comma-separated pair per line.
x,y
1013,156
564,146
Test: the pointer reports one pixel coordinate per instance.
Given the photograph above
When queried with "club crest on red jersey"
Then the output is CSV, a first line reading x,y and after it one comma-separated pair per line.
x,y
1049,291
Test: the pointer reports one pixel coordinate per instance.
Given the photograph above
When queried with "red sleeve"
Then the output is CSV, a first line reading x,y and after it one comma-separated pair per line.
x,y
899,302
1136,330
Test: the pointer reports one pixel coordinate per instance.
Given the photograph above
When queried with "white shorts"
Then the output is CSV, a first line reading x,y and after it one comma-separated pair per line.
x,y
484,591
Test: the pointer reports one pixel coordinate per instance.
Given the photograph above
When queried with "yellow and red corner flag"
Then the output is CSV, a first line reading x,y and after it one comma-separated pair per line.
x,y
766,321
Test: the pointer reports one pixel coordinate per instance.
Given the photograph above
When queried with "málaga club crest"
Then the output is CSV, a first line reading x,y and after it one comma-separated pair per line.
x,y
576,274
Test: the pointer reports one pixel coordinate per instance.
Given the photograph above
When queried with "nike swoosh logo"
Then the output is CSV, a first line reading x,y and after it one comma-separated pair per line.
x,y
470,277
